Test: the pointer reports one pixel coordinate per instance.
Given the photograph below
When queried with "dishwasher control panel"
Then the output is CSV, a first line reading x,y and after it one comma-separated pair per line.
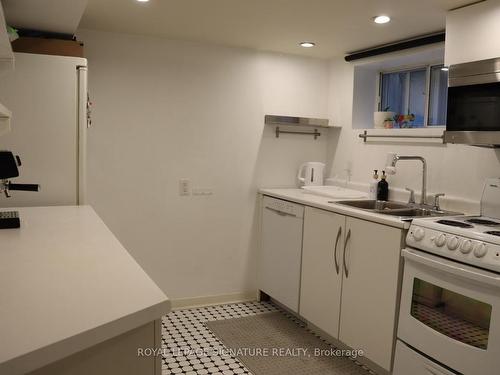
x,y
283,207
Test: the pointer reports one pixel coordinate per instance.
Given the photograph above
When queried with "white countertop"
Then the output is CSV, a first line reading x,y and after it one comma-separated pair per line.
x,y
66,284
300,196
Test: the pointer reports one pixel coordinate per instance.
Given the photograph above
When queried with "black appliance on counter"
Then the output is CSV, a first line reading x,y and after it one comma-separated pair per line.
x,y
9,164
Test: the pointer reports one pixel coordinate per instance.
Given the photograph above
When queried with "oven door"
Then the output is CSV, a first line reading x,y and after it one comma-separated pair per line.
x,y
451,312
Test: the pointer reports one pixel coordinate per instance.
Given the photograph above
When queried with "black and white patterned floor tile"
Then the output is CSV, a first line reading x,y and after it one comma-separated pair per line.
x,y
190,348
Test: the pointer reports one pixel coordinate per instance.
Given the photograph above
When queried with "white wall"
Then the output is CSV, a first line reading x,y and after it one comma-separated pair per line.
x,y
457,170
165,110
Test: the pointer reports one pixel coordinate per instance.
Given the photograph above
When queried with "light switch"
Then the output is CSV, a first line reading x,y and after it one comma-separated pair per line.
x,y
184,186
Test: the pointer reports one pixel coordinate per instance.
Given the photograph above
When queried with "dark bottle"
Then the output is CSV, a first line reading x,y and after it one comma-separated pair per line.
x,y
383,188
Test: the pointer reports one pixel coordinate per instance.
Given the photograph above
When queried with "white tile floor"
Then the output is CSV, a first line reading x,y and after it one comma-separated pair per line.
x,y
190,348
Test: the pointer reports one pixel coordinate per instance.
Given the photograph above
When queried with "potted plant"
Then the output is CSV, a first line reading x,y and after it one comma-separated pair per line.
x,y
383,119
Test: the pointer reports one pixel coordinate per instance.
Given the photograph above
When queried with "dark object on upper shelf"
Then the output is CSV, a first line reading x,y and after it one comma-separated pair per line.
x,y
48,46
30,33
474,104
396,46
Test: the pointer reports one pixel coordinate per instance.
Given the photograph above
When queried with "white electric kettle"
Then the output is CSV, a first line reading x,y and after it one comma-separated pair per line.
x,y
311,173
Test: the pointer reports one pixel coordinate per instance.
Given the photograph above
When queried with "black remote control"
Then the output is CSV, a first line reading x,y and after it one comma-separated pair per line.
x,y
9,219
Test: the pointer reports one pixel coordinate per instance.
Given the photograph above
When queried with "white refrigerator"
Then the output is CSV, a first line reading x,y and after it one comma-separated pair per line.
x,y
48,99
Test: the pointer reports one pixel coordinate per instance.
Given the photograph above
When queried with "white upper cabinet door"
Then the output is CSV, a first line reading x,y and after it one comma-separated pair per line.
x,y
472,33
321,285
371,263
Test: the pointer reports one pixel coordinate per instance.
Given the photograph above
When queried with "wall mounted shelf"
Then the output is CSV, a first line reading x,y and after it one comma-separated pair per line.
x,y
314,133
297,121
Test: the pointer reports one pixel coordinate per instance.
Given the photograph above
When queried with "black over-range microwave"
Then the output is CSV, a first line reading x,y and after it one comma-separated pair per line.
x,y
473,114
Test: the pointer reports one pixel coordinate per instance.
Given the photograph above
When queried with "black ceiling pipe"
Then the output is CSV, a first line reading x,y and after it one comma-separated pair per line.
x,y
398,46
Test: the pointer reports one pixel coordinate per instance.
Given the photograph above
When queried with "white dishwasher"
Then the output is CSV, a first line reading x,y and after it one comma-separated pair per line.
x,y
281,251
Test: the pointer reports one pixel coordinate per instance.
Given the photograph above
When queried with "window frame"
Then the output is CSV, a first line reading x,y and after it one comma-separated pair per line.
x,y
407,69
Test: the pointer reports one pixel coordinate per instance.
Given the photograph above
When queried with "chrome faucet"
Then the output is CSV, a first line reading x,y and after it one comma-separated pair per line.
x,y
393,158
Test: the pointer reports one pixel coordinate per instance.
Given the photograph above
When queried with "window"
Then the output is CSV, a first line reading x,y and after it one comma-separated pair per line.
x,y
421,92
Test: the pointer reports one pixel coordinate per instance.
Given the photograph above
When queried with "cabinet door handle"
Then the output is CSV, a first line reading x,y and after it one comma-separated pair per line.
x,y
337,266
280,212
347,238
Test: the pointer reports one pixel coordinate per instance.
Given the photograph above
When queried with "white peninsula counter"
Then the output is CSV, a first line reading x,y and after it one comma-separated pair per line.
x,y
72,299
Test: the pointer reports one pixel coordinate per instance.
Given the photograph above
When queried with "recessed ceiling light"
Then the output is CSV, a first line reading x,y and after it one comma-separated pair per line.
x,y
143,1
381,19
307,44
445,69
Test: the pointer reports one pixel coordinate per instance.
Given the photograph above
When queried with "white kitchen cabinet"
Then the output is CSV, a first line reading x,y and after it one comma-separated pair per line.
x,y
321,283
370,289
350,281
472,33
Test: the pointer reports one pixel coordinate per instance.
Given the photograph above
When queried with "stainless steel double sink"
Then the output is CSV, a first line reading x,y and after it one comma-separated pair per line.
x,y
403,210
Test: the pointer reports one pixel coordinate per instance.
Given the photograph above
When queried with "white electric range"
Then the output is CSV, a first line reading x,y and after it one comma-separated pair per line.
x,y
449,319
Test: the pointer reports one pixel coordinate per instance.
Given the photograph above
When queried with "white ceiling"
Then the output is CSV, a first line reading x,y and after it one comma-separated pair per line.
x,y
59,16
337,26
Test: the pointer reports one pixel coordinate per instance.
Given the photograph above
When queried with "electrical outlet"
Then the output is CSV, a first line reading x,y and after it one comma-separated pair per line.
x,y
184,186
202,191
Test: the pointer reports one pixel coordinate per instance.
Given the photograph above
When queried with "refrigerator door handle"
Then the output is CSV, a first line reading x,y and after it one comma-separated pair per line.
x,y
82,134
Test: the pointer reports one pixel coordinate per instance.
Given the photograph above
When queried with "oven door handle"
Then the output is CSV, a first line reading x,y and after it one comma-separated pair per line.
x,y
454,268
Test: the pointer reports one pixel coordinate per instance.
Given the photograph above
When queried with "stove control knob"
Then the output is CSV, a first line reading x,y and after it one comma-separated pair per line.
x,y
453,243
466,247
440,240
418,234
480,250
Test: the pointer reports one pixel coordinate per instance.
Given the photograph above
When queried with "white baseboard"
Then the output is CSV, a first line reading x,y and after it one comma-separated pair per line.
x,y
184,303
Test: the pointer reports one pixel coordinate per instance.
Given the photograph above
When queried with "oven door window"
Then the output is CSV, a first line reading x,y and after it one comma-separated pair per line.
x,y
454,315
474,108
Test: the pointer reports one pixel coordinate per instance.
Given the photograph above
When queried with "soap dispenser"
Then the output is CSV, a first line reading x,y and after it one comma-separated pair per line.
x,y
383,188
374,185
